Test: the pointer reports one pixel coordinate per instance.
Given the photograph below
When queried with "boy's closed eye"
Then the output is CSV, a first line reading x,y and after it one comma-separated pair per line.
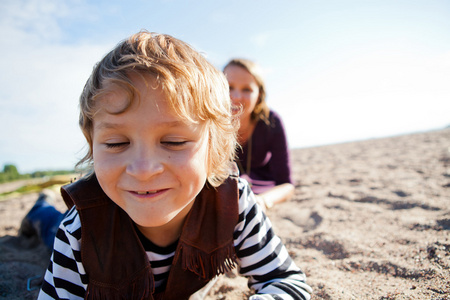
x,y
171,144
116,145
174,144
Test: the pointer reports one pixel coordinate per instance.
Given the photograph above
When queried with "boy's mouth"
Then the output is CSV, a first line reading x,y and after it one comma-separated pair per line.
x,y
146,192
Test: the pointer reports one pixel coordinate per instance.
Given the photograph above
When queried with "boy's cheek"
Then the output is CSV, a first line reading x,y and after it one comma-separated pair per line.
x,y
104,162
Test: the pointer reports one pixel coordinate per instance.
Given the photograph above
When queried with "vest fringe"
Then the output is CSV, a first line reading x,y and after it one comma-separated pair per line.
x,y
205,247
208,265
142,287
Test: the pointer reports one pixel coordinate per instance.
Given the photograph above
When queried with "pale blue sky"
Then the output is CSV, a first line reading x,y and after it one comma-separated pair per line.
x,y
335,70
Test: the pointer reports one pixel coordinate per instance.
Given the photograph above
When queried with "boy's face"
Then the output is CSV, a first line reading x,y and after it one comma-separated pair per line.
x,y
147,160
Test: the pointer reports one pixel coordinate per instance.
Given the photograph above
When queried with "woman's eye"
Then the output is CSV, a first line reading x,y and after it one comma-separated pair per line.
x,y
116,145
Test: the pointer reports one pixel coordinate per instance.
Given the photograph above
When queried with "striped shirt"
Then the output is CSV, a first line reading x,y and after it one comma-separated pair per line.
x,y
262,258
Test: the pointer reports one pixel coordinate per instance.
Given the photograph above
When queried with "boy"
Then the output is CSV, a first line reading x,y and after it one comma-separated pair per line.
x,y
160,215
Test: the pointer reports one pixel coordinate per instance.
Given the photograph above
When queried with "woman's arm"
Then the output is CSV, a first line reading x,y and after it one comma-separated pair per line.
x,y
277,194
279,164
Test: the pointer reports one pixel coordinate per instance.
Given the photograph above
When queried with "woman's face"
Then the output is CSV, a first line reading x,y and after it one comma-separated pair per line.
x,y
244,90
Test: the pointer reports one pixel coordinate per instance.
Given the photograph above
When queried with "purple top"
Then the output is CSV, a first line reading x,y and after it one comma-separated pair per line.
x,y
270,164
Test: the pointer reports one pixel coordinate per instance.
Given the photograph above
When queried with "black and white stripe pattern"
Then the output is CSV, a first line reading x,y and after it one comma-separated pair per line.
x,y
262,258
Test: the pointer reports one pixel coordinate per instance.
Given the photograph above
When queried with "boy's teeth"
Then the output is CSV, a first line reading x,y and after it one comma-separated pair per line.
x,y
145,193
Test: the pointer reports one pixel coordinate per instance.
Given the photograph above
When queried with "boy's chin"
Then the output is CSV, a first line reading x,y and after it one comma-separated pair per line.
x,y
154,223
160,220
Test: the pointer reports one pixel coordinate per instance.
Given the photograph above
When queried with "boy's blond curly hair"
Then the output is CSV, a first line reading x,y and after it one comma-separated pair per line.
x,y
195,90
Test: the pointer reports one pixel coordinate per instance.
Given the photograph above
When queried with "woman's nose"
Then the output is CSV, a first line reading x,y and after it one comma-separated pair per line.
x,y
235,95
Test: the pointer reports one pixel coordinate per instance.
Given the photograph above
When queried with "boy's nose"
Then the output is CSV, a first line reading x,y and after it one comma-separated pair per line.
x,y
144,167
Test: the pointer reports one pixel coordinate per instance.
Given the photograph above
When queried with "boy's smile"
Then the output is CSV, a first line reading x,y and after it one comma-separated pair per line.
x,y
150,162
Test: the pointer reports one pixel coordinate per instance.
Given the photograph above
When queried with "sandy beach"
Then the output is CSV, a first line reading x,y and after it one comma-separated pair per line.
x,y
369,220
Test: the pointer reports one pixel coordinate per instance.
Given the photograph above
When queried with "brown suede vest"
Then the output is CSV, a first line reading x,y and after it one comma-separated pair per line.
x,y
115,260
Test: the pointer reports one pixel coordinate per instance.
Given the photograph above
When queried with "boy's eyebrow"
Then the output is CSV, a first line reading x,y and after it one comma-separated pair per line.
x,y
109,125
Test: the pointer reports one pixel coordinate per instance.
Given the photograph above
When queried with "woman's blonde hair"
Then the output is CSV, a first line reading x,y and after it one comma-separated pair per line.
x,y
261,110
194,89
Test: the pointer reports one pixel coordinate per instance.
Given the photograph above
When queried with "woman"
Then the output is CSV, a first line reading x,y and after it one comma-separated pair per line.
x,y
264,157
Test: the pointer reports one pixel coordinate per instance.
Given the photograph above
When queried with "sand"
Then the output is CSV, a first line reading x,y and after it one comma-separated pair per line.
x,y
369,220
